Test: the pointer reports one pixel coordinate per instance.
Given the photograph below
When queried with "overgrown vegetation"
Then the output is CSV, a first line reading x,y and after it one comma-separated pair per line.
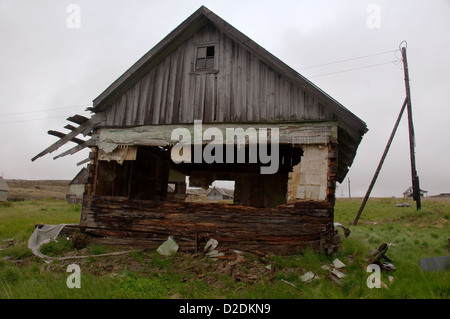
x,y
411,236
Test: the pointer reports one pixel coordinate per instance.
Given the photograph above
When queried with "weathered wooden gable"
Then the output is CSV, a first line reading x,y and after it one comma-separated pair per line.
x,y
242,88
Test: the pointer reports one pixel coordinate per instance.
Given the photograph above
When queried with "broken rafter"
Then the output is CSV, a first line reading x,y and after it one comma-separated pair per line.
x,y
83,161
72,128
78,119
61,135
84,129
76,149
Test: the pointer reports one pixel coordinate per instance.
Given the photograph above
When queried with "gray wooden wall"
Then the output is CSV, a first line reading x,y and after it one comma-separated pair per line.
x,y
244,89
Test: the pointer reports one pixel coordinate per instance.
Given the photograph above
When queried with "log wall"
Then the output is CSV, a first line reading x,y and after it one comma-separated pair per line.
x,y
285,229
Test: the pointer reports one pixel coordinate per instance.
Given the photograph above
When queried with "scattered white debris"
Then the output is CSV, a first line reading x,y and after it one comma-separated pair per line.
x,y
214,253
338,273
289,283
338,264
307,277
333,268
326,267
169,247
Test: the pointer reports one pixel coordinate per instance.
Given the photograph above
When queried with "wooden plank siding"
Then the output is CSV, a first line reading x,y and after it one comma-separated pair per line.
x,y
244,89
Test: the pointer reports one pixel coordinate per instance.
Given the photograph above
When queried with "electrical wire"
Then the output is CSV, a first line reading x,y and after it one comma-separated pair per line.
x,y
32,120
346,60
304,68
354,69
44,110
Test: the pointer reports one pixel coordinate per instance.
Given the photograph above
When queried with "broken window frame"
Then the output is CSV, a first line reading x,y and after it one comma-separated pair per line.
x,y
208,59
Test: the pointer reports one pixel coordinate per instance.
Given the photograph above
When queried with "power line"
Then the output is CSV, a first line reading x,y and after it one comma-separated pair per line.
x,y
44,110
354,69
32,120
346,60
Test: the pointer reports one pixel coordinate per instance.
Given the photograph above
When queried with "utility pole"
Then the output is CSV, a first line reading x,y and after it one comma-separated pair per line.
x,y
380,164
414,176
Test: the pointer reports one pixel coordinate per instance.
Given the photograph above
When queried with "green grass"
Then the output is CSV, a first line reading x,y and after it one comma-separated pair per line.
x,y
412,235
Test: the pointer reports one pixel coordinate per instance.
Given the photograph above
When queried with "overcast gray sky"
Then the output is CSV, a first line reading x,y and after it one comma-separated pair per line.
x,y
48,64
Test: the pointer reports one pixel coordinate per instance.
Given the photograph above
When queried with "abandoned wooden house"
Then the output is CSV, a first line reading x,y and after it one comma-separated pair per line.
x,y
77,186
217,193
207,73
408,193
4,190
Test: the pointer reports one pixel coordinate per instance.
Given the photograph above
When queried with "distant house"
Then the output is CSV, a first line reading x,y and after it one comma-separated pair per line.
x,y
216,193
409,193
4,189
77,186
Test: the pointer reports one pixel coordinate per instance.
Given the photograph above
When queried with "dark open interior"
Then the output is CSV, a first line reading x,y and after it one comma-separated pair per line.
x,y
148,177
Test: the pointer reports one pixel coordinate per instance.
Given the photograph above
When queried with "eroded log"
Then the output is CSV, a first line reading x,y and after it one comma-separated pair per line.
x,y
285,229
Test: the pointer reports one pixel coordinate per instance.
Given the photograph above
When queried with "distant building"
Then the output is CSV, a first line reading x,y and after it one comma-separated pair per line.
x,y
4,190
77,186
216,193
409,193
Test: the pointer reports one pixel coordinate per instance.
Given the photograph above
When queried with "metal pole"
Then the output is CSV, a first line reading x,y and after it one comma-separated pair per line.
x,y
414,176
375,176
349,193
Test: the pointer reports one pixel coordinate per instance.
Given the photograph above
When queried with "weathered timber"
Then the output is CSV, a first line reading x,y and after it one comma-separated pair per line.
x,y
61,135
285,229
78,119
84,129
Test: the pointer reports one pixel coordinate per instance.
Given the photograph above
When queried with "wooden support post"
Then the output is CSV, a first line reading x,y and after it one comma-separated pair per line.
x,y
414,176
366,197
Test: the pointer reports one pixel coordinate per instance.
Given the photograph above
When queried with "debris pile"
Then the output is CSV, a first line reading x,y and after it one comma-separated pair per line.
x,y
380,253
336,270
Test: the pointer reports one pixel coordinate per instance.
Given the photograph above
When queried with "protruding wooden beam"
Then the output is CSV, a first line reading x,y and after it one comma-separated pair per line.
x,y
72,128
78,119
86,160
84,129
76,149
61,135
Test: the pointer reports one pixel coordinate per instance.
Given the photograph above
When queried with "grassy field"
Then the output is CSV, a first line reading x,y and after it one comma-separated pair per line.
x,y
411,235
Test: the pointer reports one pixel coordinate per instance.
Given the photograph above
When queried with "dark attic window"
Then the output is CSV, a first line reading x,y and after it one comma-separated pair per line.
x,y
205,57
